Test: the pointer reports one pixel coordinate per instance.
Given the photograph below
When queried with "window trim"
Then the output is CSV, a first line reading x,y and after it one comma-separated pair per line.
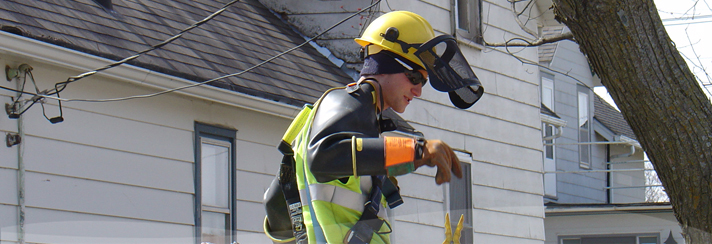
x,y
548,83
582,91
554,193
228,136
468,34
465,158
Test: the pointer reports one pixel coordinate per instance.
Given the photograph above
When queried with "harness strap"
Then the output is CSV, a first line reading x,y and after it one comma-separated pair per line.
x,y
369,223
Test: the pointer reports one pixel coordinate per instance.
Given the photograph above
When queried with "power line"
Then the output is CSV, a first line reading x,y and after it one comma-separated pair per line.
x,y
688,18
63,85
688,23
214,79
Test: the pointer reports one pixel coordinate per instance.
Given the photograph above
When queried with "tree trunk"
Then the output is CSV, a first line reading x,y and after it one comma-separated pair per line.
x,y
628,47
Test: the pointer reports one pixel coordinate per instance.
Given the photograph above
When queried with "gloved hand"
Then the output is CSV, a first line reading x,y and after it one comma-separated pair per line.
x,y
438,154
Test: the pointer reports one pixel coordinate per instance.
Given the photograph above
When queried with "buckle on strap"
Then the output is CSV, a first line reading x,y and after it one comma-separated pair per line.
x,y
390,191
369,223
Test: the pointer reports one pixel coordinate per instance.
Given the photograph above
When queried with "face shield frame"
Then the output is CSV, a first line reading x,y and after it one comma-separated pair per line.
x,y
449,71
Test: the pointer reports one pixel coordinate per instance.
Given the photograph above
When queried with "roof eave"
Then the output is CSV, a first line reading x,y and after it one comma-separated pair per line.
x,y
81,62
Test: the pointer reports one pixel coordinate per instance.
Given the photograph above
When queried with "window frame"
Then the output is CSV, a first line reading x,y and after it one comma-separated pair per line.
x,y
473,32
468,223
584,163
222,137
550,191
547,83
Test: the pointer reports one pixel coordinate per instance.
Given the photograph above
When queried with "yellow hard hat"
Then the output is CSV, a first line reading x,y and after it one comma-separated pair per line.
x,y
400,32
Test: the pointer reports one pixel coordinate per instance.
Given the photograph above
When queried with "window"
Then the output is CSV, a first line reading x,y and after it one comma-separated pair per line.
x,y
584,125
461,203
468,20
549,161
547,130
547,92
214,184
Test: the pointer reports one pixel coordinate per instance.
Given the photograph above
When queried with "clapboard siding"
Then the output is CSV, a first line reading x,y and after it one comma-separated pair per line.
x,y
8,180
256,157
252,186
8,223
107,165
506,178
502,154
250,216
103,198
501,16
496,199
86,128
420,211
492,130
9,156
252,237
502,133
493,238
51,226
406,232
421,187
506,224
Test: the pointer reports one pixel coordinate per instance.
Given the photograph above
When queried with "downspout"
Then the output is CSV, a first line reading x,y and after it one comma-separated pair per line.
x,y
559,132
624,155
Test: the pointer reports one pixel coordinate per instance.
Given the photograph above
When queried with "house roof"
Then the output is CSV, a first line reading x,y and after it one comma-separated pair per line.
x,y
244,35
611,118
546,111
563,209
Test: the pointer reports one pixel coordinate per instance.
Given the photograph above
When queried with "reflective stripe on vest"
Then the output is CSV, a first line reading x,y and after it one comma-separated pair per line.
x,y
340,196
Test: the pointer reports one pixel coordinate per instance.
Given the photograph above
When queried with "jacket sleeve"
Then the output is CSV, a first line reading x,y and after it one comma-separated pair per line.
x,y
344,139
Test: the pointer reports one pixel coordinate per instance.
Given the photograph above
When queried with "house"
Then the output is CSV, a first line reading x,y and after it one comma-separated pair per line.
x,y
499,137
183,167
594,173
190,166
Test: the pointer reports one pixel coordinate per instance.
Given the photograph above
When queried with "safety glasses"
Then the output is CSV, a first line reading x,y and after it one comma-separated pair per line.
x,y
415,77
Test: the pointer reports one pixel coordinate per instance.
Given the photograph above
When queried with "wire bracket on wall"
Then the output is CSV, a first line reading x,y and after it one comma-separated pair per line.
x,y
19,106
12,139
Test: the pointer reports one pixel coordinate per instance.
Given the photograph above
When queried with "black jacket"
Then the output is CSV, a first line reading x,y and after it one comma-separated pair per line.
x,y
343,116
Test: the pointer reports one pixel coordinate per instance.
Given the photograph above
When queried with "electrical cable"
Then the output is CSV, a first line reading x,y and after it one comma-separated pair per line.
x,y
63,85
214,79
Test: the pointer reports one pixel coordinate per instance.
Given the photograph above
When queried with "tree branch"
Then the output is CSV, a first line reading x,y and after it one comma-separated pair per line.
x,y
538,42
519,22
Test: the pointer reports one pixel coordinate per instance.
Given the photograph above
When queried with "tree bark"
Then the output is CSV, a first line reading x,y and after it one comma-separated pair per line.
x,y
628,47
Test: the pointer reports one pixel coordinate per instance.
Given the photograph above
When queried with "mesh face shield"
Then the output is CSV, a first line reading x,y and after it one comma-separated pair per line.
x,y
449,71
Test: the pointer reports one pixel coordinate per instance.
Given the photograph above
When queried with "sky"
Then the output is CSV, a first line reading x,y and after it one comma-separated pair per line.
x,y
689,24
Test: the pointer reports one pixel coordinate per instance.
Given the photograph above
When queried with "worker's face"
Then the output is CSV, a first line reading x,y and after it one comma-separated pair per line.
x,y
399,91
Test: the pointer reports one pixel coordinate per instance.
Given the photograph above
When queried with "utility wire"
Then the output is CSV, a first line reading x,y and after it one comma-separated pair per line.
x,y
214,79
62,85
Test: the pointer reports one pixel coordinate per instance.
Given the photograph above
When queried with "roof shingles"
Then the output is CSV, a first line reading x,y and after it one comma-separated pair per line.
x,y
245,34
611,118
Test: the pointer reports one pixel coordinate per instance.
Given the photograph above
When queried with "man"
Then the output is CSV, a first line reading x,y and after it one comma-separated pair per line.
x,y
343,163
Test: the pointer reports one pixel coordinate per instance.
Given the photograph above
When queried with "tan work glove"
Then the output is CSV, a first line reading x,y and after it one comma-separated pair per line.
x,y
438,154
